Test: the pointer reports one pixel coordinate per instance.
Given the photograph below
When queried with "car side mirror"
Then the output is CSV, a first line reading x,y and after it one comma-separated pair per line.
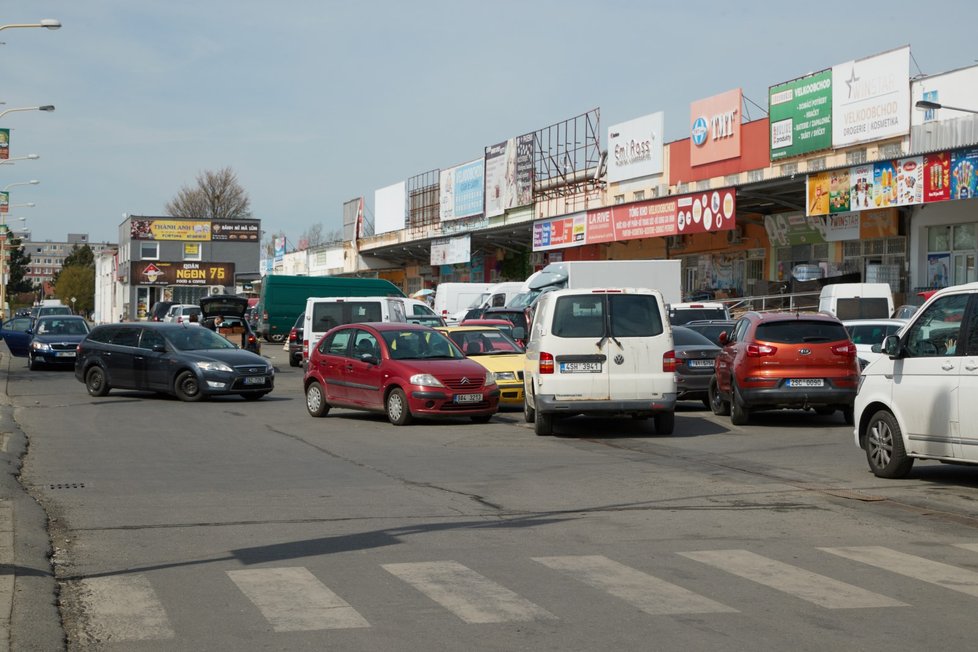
x,y
891,346
519,333
369,358
723,338
876,348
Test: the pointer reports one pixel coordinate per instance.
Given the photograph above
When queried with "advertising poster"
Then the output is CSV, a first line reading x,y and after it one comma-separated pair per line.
x,y
497,179
4,144
884,185
600,227
937,177
964,165
714,133
938,270
450,251
560,232
861,187
182,273
871,98
910,180
817,192
468,189
4,202
801,115
169,230
239,230
700,213
839,189
524,170
878,223
841,227
635,148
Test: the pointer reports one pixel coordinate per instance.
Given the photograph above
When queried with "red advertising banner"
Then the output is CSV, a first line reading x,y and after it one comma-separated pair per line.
x,y
600,226
937,177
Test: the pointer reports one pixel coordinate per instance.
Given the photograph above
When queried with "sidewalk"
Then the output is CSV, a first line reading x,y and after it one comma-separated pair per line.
x,y
29,618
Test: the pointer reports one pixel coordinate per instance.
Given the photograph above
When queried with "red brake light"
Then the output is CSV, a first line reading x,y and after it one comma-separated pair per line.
x,y
292,335
669,361
760,350
847,349
546,363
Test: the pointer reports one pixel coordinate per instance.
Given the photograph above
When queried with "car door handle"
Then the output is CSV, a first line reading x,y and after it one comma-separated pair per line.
x,y
947,366
971,366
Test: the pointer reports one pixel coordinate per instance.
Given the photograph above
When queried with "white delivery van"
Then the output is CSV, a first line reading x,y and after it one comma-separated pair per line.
x,y
857,300
323,313
661,275
501,293
451,298
605,352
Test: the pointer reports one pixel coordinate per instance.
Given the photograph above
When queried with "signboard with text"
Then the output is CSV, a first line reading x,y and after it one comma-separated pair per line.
x,y
801,115
239,230
714,132
871,98
146,272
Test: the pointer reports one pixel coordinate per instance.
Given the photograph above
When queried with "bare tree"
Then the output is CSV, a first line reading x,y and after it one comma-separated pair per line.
x,y
216,195
313,236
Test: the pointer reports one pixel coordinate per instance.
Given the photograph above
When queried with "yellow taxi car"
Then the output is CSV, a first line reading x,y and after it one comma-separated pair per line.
x,y
497,352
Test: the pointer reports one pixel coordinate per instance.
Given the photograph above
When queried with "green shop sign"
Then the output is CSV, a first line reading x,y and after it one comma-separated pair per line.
x,y
801,115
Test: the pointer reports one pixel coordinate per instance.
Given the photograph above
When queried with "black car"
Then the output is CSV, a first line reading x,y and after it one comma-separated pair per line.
x,y
695,362
159,310
711,328
231,311
186,361
295,341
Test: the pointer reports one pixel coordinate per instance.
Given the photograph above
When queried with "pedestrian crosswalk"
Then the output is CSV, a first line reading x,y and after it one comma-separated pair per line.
x,y
295,599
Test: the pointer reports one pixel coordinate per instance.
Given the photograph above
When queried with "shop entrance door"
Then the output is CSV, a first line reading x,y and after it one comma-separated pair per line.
x,y
964,268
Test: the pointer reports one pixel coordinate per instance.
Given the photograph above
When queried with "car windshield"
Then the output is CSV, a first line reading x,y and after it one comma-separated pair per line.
x,y
196,339
62,327
420,345
489,341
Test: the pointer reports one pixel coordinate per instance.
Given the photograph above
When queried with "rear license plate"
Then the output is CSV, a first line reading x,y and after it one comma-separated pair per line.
x,y
65,354
468,398
580,367
806,382
254,380
701,363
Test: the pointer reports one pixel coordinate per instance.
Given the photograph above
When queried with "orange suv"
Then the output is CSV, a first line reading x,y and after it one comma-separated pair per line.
x,y
771,361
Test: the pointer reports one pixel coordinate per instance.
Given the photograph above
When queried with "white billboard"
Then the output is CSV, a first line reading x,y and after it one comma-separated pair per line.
x,y
389,209
871,98
635,148
449,251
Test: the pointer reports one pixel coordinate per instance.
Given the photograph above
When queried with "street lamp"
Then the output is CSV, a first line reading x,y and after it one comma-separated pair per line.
x,y
32,182
29,157
47,23
44,107
927,105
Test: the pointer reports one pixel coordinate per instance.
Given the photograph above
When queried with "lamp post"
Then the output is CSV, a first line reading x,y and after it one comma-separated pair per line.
x,y
32,182
927,105
47,23
47,108
29,157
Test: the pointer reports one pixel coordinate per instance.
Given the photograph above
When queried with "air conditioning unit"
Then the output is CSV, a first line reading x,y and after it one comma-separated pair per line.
x,y
675,242
735,235
216,289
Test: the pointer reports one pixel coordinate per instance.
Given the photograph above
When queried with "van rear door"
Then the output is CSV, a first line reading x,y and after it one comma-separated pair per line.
x,y
637,346
582,366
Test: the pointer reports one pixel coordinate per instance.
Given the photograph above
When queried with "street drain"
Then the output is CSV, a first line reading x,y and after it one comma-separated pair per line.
x,y
67,485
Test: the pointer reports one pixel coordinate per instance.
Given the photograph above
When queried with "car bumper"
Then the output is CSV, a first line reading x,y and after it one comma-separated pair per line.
x,y
549,404
511,393
216,383
692,387
442,403
800,397
52,358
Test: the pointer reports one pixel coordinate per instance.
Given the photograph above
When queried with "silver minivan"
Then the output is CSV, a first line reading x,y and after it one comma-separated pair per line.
x,y
605,352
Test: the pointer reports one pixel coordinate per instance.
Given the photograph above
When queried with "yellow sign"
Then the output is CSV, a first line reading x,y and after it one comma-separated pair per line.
x,y
170,229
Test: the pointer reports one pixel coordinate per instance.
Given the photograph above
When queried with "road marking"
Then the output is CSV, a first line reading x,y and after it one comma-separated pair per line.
x,y
293,600
650,594
817,589
125,609
918,568
6,579
467,594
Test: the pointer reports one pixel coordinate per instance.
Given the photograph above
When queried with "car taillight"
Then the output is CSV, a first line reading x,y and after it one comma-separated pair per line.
x,y
546,363
760,350
252,339
847,349
669,361
292,336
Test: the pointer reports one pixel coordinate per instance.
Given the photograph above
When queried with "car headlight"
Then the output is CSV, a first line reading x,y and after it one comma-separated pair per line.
x,y
40,346
214,366
426,380
504,375
490,378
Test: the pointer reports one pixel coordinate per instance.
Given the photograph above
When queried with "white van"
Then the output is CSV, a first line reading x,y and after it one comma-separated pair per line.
x,y
323,313
917,401
452,298
500,294
600,352
857,300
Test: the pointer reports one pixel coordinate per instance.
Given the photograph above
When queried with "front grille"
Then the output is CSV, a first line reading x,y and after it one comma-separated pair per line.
x,y
457,407
64,346
251,369
471,382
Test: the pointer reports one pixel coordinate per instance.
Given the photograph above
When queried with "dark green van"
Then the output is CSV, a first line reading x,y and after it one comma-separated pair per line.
x,y
283,298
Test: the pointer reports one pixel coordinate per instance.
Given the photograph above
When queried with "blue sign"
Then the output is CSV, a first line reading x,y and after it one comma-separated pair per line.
x,y
469,188
699,132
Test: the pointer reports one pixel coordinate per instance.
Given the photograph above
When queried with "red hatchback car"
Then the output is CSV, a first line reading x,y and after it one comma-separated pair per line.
x,y
403,370
785,360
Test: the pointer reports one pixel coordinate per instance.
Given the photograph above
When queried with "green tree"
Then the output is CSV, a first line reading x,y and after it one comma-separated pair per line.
x,y
82,256
17,263
216,195
77,281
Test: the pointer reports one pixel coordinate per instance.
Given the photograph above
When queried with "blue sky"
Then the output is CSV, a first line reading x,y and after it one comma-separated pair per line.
x,y
312,103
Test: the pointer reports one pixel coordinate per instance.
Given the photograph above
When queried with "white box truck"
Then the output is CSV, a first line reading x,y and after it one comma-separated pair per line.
x,y
662,275
454,298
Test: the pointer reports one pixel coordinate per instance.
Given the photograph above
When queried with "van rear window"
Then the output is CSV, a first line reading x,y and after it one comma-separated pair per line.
x,y
800,331
631,315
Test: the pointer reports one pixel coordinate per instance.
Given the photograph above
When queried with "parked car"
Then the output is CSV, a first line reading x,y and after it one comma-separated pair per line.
x,y
785,360
600,352
49,309
295,342
904,311
917,400
180,312
49,340
189,362
498,353
711,328
695,359
681,313
403,370
13,330
234,327
504,325
868,335
515,316
159,310
434,321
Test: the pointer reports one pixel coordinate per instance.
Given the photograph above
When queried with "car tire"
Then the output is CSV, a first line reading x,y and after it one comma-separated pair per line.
x,y
33,363
186,387
665,422
96,382
253,397
316,400
739,413
293,362
849,415
720,407
483,418
529,414
543,425
396,406
885,453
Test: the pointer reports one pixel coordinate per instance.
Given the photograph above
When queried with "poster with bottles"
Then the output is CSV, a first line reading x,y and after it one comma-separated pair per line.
x,y
937,177
964,167
884,185
839,190
910,180
861,187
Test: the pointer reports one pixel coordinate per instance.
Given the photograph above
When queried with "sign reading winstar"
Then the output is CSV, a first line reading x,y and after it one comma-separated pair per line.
x,y
714,133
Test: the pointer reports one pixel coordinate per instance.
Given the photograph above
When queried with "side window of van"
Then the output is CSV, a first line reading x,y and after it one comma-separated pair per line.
x,y
326,315
937,331
337,344
579,316
363,311
126,337
634,315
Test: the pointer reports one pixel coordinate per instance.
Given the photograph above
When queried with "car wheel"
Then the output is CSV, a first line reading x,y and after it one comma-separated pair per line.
x,y
33,363
543,425
398,411
316,400
95,381
187,388
529,414
720,407
483,418
884,447
739,414
293,362
849,415
252,396
665,423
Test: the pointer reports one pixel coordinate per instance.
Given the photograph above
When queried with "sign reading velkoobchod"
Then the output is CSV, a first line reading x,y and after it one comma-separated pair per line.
x,y
801,115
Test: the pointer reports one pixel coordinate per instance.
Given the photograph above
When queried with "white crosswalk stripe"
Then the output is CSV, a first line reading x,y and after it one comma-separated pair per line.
x,y
125,608
918,568
812,587
467,594
293,600
650,594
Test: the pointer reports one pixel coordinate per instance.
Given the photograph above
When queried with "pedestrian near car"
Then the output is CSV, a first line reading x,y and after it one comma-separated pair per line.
x,y
194,319
214,323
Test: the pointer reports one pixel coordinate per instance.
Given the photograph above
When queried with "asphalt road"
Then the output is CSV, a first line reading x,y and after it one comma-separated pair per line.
x,y
251,526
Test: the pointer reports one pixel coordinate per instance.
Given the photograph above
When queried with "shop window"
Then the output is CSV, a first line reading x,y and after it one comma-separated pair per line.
x,y
938,238
639,195
149,250
964,236
619,199
192,251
